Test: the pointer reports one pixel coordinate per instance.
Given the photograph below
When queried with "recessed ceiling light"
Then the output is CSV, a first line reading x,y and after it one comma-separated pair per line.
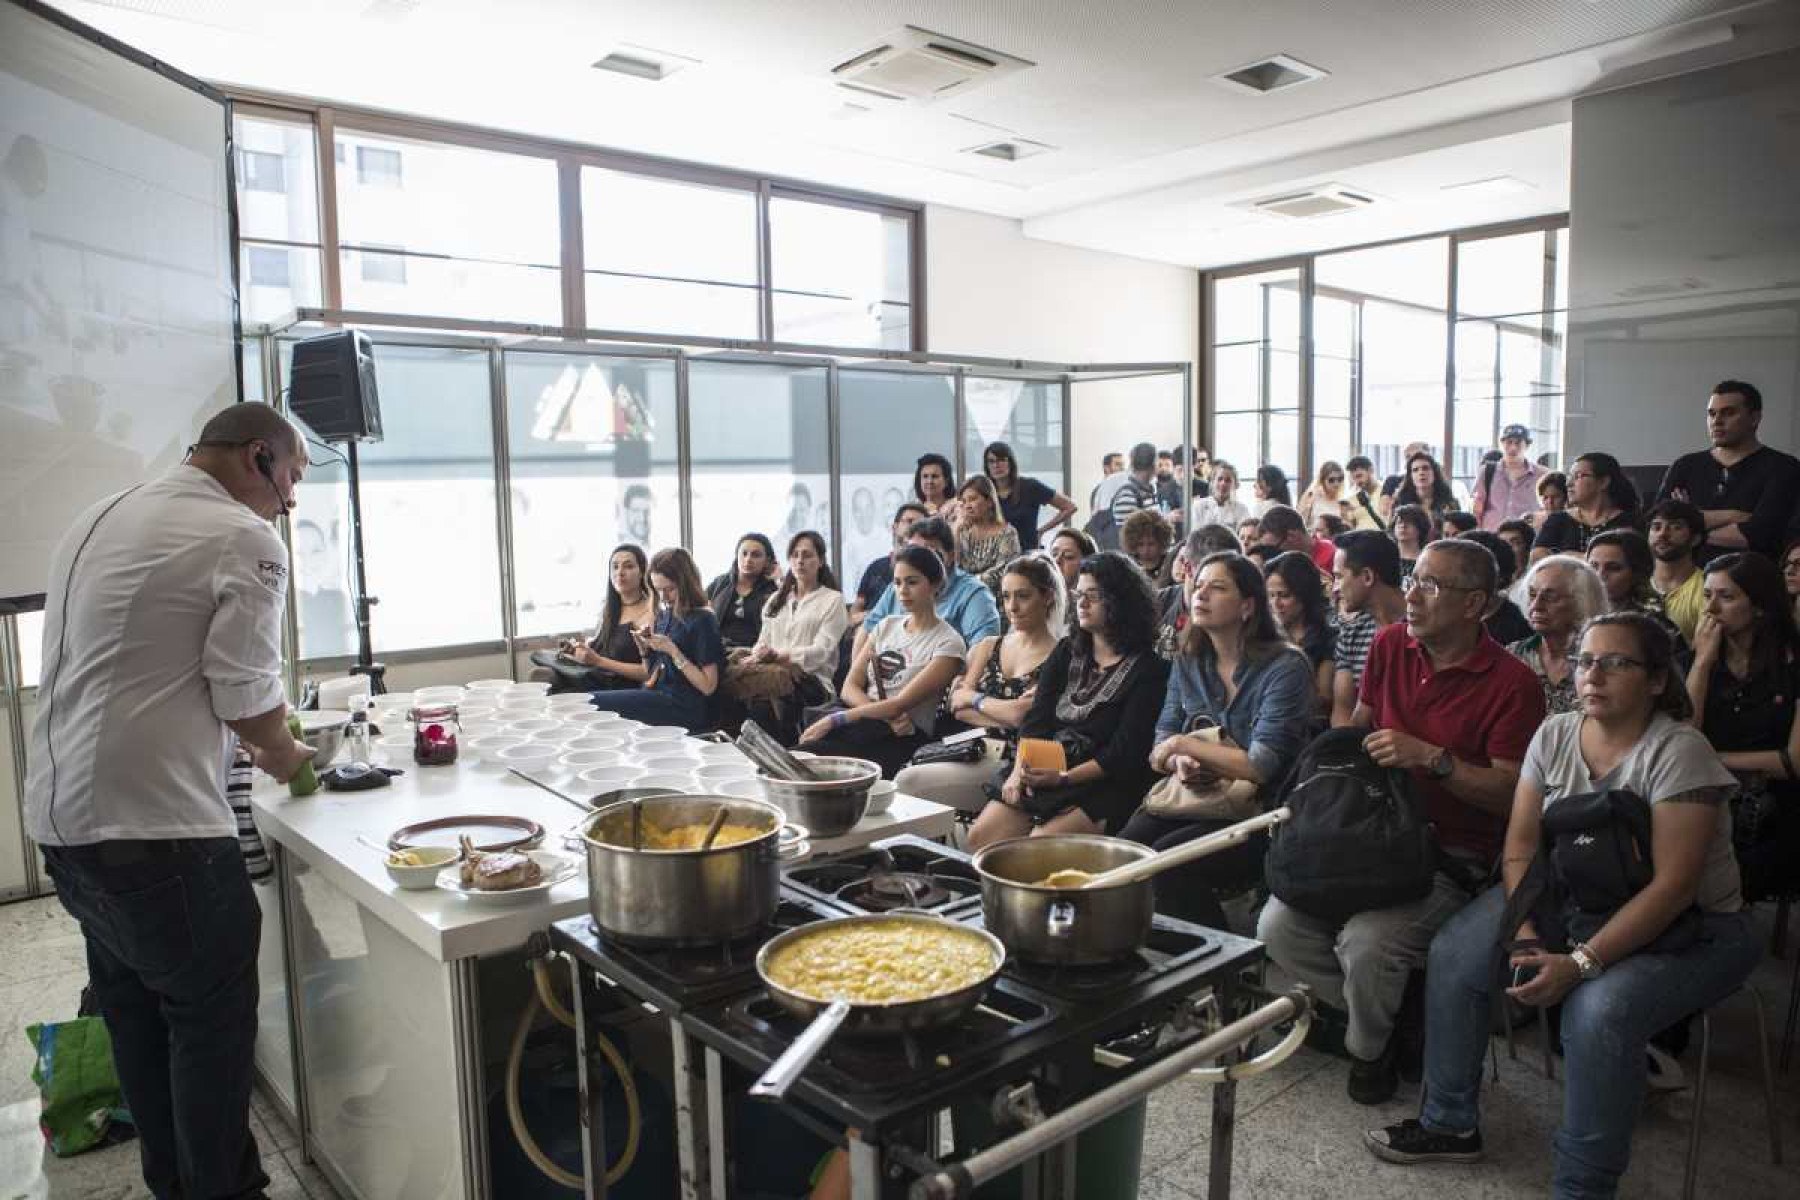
x,y
1010,150
1497,185
1276,73
641,62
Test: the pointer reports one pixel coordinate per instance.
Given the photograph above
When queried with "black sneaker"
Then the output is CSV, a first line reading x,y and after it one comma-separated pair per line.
x,y
1410,1142
1375,1081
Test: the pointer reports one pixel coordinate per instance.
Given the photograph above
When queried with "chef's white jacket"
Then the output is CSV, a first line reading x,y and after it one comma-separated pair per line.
x,y
163,620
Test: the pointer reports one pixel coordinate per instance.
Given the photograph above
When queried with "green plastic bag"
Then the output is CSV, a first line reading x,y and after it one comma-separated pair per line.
x,y
83,1104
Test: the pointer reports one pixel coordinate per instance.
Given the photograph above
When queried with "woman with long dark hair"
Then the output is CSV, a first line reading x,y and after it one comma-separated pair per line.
x,y
1426,487
1270,487
1097,697
1023,497
1412,530
610,657
932,484
1238,673
802,628
894,685
1303,614
682,650
1601,497
1744,681
1618,983
737,597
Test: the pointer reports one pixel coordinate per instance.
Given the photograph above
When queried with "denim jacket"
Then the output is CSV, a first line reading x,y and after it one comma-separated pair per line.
x,y
1271,717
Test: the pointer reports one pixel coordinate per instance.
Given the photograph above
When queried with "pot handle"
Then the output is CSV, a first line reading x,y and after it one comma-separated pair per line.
x,y
791,844
793,1062
1061,921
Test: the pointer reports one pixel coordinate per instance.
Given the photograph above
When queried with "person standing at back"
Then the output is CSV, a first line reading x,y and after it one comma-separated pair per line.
x,y
1119,495
162,639
1023,497
1747,491
1506,489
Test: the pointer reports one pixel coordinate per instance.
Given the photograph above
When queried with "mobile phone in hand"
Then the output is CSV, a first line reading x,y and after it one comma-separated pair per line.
x,y
1524,973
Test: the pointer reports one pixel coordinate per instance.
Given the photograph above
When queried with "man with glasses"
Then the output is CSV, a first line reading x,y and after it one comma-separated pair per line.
x,y
1446,703
1506,489
1746,490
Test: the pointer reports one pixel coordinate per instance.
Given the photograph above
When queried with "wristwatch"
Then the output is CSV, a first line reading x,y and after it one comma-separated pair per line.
x,y
1586,961
1443,766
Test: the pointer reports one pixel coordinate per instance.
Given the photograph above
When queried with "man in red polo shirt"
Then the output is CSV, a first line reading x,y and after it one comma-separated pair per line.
x,y
1448,704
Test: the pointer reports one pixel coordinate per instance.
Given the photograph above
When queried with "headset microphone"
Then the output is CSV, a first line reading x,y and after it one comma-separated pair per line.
x,y
265,462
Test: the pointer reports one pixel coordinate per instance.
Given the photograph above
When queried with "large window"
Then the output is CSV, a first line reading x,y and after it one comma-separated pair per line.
x,y
1378,366
278,217
430,229
593,450
886,420
842,276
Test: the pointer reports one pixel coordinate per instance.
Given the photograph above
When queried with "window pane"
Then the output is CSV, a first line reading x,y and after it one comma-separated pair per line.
x,y
480,230
275,280
592,442
1256,371
638,305
886,420
1509,343
1237,439
278,190
761,457
31,648
253,370
1116,414
1257,308
428,515
1027,416
1501,276
842,276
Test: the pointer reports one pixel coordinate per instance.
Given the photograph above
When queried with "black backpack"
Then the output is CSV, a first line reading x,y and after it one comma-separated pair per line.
x,y
1357,839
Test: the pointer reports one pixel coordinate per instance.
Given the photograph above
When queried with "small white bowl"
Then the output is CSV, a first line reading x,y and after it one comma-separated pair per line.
x,y
596,741
744,789
484,745
673,781
653,733
528,756
562,735
881,796
468,713
489,685
394,748
420,878
671,764
536,687
714,752
605,779
532,726
437,695
486,727
720,772
577,761
591,717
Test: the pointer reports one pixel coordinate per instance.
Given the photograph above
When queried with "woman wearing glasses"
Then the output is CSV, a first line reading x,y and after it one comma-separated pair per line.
x,y
1649,963
1601,497
1326,495
1744,680
1561,594
1790,574
1023,498
1097,696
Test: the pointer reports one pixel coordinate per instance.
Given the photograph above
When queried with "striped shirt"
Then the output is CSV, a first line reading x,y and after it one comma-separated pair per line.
x,y
237,790
1354,637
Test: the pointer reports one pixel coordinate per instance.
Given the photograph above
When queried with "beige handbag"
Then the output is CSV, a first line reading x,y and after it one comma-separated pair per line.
x,y
1220,800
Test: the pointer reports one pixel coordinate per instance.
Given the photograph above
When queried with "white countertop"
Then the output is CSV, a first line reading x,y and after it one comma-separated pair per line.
x,y
321,830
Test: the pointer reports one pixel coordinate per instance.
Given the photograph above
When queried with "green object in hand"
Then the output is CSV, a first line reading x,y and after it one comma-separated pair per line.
x,y
306,780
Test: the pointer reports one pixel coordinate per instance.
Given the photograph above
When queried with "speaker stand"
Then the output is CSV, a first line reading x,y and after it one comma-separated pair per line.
x,y
361,601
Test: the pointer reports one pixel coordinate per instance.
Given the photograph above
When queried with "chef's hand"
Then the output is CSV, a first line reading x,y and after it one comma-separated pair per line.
x,y
1042,779
282,763
1556,977
1391,748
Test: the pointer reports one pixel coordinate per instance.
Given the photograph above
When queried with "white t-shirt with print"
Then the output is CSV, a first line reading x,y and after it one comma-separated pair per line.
x,y
898,654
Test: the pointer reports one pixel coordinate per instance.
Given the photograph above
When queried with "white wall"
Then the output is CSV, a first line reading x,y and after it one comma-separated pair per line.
x,y
990,290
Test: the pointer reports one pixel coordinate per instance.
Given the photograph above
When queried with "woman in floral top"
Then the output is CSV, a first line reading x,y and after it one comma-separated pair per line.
x,y
985,543
1561,593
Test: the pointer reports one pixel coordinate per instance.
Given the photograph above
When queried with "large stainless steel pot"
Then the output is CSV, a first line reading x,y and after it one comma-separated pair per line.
x,y
1073,926
686,897
830,805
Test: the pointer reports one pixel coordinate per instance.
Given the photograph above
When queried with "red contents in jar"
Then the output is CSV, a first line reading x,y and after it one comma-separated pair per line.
x,y
434,738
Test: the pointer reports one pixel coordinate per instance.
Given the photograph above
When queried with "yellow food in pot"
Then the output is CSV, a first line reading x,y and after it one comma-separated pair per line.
x,y
689,837
406,858
1068,877
885,963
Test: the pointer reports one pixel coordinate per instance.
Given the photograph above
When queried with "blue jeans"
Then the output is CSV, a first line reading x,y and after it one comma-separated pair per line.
x,y
654,706
1606,1024
172,929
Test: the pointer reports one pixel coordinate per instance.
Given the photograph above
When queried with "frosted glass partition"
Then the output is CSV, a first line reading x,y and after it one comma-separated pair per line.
x,y
1112,415
593,452
886,420
760,446
1025,414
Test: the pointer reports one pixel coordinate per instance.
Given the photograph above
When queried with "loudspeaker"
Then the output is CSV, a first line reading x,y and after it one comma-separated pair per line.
x,y
331,386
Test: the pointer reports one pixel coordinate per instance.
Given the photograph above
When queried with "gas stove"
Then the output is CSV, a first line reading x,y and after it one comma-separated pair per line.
x,y
901,872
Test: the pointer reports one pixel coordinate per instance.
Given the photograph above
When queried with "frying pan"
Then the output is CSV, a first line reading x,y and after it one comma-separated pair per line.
x,y
872,1019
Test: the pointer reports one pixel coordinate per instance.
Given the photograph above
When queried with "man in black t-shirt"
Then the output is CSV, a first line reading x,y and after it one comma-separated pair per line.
x,y
1747,491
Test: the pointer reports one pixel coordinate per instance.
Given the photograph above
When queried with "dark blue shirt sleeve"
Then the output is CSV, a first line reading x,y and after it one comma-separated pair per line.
x,y
699,639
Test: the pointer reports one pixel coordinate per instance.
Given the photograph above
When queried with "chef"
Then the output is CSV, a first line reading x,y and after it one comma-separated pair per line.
x,y
162,639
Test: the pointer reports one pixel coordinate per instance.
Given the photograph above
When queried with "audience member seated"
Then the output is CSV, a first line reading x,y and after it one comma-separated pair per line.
x,y
683,652
880,573
1222,507
1249,532
1747,491
1601,497
1506,622
1269,487
1456,524
802,631
1326,496
1235,672
738,597
1068,550
1412,530
999,681
962,600
1367,575
1023,498
1097,695
1622,559
1677,534
1283,530
1650,963
1390,487
1325,531
1519,535
1562,593
898,678
1506,489
1743,681
1303,615
1365,513
1427,487
1173,602
984,542
1146,537
1790,574
1445,702
1553,497
932,485
610,658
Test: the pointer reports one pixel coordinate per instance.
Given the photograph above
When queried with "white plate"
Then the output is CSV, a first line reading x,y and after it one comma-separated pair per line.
x,y
556,868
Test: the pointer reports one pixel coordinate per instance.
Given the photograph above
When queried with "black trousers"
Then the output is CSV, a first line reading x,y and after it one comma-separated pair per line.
x,y
172,930
1191,893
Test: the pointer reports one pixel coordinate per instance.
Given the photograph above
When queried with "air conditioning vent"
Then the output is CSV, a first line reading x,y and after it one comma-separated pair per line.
x,y
641,62
1275,74
1324,201
1011,150
918,65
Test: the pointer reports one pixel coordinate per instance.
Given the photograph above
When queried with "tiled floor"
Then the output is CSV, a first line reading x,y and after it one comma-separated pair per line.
x,y
1298,1135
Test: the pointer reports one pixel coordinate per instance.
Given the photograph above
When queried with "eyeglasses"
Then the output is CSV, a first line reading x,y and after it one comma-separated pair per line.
x,y
1334,479
1429,588
1088,595
1607,663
